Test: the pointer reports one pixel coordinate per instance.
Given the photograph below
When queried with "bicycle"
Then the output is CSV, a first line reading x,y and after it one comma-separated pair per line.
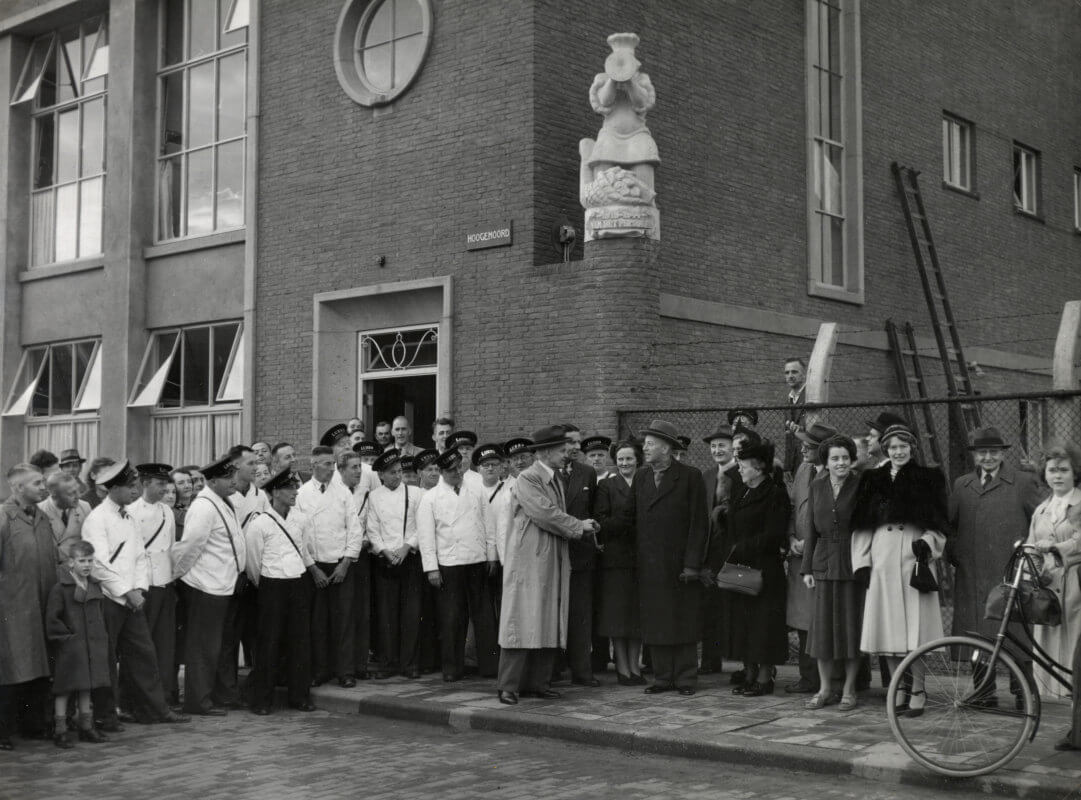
x,y
971,725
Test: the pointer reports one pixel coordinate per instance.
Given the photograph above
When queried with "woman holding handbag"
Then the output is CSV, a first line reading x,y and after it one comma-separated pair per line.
x,y
757,535
837,617
1056,531
899,524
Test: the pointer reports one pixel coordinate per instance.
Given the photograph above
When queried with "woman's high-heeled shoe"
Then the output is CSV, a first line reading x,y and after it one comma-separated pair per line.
x,y
913,711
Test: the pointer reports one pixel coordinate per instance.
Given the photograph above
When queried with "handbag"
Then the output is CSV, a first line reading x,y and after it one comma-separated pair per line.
x,y
923,579
1037,604
739,578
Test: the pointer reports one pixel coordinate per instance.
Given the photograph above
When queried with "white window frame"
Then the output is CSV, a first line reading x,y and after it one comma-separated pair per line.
x,y
147,393
958,139
1027,171
404,372
848,169
87,397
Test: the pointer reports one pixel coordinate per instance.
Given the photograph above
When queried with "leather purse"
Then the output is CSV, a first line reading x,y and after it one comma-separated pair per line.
x,y
739,578
1037,603
923,579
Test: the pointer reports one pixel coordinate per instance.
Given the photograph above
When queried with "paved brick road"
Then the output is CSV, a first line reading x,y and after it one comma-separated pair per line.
x,y
323,755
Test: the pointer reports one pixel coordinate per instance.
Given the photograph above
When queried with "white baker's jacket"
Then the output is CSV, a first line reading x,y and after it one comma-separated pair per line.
x,y
253,500
211,554
453,528
500,510
270,553
386,513
336,532
120,562
156,524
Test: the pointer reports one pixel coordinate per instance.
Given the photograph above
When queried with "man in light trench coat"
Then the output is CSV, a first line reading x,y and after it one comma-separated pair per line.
x,y
537,572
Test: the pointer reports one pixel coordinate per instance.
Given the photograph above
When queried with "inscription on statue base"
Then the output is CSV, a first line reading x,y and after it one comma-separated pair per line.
x,y
609,222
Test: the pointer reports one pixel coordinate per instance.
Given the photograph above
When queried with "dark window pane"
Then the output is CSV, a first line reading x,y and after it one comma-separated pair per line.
x,y
203,24
173,50
223,345
39,405
93,143
83,352
67,146
69,61
170,395
43,173
196,366
63,369
232,79
47,91
172,98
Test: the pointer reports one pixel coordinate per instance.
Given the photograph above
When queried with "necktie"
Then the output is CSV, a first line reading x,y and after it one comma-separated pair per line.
x,y
123,513
65,515
986,479
657,476
458,490
322,488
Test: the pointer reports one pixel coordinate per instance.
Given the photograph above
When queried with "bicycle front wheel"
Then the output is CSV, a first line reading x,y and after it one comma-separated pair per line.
x,y
978,715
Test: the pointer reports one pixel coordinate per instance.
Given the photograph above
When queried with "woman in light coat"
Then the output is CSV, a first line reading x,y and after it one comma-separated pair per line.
x,y
899,519
1056,531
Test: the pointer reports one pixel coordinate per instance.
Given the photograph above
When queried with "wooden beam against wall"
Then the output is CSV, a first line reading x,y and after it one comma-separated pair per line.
x,y
818,369
1067,346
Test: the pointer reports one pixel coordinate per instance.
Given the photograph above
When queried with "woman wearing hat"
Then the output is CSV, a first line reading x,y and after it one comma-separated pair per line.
x,y
1056,530
899,518
757,534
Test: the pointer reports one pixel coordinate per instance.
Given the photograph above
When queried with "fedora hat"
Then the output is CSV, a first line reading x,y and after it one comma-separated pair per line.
x,y
68,456
885,420
988,439
722,432
816,433
548,436
663,430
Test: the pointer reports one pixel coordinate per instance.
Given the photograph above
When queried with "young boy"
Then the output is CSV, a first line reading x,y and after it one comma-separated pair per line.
x,y
75,624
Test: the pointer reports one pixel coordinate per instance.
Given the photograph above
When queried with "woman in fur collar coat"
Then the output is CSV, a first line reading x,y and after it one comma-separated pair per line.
x,y
899,518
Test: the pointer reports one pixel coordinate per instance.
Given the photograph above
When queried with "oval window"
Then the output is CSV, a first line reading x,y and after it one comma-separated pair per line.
x,y
381,45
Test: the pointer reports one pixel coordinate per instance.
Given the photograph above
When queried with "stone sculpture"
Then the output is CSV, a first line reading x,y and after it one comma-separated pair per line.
x,y
616,179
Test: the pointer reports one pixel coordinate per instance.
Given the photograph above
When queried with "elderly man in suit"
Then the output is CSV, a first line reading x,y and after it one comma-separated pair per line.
x,y
537,572
720,483
65,512
990,508
668,510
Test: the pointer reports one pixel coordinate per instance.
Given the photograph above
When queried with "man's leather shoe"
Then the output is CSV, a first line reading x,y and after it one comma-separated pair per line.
x,y
92,736
737,678
381,675
174,718
127,717
412,674
110,725
659,688
347,682
319,680
542,694
593,683
363,675
63,740
6,743
800,687
206,712
302,706
686,691
508,698
260,711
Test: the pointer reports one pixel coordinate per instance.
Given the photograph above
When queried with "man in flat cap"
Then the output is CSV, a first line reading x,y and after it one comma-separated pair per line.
x,y
71,463
722,484
457,551
537,572
596,453
157,528
337,537
122,569
209,560
277,543
392,529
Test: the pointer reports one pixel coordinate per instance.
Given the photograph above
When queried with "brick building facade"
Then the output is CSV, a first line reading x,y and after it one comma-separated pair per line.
x,y
777,122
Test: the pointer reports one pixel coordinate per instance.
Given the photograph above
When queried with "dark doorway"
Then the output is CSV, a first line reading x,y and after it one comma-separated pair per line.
x,y
412,397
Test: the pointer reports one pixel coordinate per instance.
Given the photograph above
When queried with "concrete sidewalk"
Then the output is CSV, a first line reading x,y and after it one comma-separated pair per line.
x,y
774,732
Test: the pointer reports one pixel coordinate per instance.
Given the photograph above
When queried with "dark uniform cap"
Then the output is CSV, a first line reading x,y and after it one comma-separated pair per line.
x,y
409,464
387,460
749,413
116,475
282,480
424,459
722,432
333,434
220,468
462,437
486,452
513,447
591,443
449,459
684,442
365,449
163,471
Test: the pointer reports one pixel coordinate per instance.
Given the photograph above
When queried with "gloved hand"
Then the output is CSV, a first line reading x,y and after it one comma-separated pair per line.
x,y
922,550
706,576
862,576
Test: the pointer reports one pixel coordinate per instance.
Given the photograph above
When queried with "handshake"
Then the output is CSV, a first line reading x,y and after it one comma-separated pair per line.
x,y
592,529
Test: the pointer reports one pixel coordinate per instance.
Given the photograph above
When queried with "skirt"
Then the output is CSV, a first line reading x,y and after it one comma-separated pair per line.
x,y
617,604
837,620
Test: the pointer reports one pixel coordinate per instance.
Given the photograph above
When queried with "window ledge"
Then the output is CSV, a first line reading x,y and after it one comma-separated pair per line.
x,y
1020,212
47,271
828,292
959,190
194,243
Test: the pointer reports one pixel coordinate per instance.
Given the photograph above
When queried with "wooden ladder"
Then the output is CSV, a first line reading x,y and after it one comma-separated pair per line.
x,y
958,380
909,370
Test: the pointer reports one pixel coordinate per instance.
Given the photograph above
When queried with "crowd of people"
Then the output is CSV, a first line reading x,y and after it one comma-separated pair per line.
x,y
546,558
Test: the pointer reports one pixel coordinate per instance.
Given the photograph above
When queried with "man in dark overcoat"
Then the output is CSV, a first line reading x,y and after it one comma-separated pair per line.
x,y
670,518
990,509
27,574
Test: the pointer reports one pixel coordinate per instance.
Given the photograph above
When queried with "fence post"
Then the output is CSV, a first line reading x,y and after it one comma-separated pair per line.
x,y
1062,419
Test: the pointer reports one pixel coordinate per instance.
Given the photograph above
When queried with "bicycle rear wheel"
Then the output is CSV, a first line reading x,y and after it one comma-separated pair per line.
x,y
961,733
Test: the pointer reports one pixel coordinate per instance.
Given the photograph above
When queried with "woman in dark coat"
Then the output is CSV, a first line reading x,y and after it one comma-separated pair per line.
x,y
75,625
617,607
757,533
837,616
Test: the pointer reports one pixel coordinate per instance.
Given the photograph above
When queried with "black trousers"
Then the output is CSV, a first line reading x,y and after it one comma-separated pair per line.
x,y
465,597
248,622
522,670
333,635
207,616
160,610
675,665
130,645
227,689
580,625
362,612
398,589
284,624
26,708
429,654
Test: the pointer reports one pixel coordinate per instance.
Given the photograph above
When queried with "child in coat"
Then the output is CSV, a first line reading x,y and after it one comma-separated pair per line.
x,y
75,625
